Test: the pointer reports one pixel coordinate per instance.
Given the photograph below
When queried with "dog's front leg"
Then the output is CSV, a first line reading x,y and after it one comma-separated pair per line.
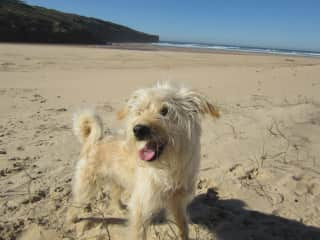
x,y
138,223
177,207
143,206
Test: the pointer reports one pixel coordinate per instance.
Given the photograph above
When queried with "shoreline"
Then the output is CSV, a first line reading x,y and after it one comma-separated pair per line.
x,y
150,47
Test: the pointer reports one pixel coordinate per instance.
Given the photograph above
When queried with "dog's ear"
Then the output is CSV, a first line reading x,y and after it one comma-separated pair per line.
x,y
199,103
122,113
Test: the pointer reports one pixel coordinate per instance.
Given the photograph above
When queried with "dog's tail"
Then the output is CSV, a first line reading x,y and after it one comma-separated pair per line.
x,y
87,126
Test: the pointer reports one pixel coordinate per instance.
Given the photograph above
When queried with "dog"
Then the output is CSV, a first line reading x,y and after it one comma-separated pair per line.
x,y
157,160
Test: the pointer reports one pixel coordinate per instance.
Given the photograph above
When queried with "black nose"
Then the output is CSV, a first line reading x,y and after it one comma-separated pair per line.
x,y
141,132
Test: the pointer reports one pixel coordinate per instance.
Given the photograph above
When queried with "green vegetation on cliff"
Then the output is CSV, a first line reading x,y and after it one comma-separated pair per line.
x,y
20,22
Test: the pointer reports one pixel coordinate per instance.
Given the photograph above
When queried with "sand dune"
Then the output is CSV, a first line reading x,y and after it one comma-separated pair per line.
x,y
260,169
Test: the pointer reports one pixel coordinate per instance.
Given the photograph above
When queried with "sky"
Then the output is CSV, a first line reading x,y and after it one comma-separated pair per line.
x,y
288,24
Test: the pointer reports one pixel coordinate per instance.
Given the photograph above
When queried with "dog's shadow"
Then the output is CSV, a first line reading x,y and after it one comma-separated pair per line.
x,y
229,220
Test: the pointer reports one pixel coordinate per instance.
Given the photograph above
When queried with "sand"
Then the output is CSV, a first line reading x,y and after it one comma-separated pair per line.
x,y
260,169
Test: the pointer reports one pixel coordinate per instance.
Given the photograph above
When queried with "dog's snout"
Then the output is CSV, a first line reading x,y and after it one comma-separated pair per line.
x,y
141,132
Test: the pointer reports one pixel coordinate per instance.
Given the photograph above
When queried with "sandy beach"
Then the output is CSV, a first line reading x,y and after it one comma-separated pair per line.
x,y
260,169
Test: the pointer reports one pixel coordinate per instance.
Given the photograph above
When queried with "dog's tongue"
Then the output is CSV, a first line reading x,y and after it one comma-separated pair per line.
x,y
147,153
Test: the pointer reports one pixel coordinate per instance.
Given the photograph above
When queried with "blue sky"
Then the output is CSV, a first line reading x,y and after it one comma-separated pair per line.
x,y
292,24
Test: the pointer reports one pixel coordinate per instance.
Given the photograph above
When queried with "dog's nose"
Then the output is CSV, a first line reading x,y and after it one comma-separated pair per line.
x,y
141,132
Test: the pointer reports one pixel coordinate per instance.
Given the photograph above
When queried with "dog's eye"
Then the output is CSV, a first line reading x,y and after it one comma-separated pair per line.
x,y
164,110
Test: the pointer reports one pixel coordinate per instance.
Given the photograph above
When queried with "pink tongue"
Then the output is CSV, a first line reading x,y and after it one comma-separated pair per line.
x,y
146,154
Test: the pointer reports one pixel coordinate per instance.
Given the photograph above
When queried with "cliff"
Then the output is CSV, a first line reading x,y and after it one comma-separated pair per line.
x,y
20,22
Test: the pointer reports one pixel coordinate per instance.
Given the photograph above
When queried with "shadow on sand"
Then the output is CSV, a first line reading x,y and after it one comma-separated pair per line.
x,y
229,220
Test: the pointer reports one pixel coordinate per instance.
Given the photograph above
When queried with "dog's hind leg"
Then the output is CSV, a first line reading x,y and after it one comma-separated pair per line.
x,y
84,188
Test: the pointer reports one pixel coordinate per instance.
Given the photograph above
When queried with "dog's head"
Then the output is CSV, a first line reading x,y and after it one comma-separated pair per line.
x,y
163,119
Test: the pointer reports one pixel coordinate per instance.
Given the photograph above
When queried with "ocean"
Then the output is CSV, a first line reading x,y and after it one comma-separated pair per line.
x,y
229,48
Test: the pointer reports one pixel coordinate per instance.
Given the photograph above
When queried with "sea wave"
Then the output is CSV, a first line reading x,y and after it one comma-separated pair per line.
x,y
239,49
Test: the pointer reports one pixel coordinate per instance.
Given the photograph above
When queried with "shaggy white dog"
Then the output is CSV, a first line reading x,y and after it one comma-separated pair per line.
x,y
157,161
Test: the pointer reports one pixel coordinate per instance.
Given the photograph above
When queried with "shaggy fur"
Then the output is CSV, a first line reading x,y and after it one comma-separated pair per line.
x,y
165,182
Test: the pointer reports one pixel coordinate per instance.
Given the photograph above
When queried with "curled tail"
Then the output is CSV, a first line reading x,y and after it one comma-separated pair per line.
x,y
87,126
